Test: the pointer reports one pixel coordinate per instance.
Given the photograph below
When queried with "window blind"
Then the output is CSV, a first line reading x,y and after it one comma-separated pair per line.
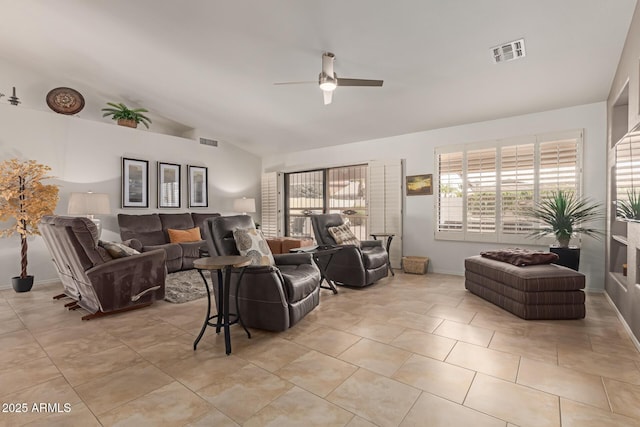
x,y
483,188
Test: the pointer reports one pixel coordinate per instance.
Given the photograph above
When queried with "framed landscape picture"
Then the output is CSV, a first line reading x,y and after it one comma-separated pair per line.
x,y
420,185
168,185
198,185
135,183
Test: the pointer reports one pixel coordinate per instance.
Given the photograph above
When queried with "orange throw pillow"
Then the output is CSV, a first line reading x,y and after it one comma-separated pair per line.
x,y
183,236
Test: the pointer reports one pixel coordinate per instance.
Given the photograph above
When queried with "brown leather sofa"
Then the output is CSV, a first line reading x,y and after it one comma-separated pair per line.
x,y
270,297
353,266
149,232
99,283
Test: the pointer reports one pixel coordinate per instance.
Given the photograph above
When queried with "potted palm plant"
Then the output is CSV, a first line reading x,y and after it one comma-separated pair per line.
x,y
630,208
564,215
24,198
125,116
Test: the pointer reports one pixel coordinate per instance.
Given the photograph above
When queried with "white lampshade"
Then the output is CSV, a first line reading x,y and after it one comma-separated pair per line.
x,y
244,205
89,204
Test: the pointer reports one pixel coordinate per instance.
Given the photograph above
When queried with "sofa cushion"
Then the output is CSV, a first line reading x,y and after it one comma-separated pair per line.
x,y
343,235
85,239
184,236
175,221
251,243
198,220
117,250
146,228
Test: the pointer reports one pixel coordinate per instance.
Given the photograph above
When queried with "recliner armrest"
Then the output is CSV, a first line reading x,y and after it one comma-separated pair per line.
x,y
133,244
292,259
370,243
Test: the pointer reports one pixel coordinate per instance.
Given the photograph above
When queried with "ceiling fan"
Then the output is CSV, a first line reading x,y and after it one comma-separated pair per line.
x,y
329,81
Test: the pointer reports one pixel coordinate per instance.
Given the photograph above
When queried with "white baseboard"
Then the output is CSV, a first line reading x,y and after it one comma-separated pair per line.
x,y
624,322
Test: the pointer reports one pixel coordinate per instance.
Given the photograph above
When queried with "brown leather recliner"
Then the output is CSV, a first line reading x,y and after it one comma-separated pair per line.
x,y
270,297
353,266
99,283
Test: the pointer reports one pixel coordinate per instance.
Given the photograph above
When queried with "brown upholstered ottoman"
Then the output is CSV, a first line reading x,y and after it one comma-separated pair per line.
x,y
546,291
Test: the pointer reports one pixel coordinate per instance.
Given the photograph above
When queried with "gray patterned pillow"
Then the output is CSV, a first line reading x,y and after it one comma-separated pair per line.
x,y
343,235
251,243
117,250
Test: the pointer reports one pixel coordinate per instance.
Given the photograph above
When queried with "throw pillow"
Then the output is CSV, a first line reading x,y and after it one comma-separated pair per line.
x,y
184,236
117,250
250,242
343,235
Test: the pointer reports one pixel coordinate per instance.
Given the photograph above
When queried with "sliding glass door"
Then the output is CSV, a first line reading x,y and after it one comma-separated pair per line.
x,y
333,190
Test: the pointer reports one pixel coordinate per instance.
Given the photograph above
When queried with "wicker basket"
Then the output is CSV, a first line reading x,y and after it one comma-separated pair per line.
x,y
415,264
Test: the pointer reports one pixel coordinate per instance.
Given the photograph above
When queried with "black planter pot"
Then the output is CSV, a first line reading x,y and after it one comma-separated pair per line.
x,y
569,257
22,285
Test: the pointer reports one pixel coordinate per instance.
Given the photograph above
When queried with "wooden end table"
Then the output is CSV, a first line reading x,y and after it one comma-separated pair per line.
x,y
220,264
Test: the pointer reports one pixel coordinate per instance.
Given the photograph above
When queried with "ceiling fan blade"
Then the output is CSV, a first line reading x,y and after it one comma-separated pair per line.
x,y
328,96
358,82
296,83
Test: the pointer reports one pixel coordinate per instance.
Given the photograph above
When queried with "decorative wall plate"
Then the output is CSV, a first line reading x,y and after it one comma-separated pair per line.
x,y
65,100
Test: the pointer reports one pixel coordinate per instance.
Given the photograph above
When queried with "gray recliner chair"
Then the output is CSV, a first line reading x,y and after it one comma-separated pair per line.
x,y
97,282
352,266
270,297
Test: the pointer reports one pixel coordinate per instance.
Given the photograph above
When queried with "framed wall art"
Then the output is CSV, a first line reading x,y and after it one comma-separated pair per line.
x,y
168,185
420,185
198,186
135,183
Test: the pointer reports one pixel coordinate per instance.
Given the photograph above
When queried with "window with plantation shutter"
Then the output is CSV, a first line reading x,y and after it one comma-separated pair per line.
x,y
517,185
481,191
558,166
449,203
270,202
484,188
627,172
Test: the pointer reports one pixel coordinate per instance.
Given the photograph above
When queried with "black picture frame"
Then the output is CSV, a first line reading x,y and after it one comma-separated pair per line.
x,y
169,186
198,186
135,183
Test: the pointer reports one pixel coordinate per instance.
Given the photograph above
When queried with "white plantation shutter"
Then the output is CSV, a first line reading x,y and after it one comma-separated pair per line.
x,y
481,191
517,186
499,179
270,205
558,168
385,203
449,209
627,173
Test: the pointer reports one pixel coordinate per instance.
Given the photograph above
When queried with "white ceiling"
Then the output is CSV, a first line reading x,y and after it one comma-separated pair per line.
x,y
211,65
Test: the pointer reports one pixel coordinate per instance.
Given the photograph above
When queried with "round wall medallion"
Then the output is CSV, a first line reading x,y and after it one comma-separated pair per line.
x,y
65,100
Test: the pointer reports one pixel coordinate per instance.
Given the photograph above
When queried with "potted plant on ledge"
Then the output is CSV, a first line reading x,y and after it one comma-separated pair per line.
x,y
564,215
125,116
24,198
629,209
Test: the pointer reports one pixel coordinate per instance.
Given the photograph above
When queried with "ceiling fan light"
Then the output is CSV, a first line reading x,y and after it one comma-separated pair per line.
x,y
327,83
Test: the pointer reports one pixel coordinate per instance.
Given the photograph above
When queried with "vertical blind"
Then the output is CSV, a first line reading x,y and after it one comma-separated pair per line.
x,y
484,188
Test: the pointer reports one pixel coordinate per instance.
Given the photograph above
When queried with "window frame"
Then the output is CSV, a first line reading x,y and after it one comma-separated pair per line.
x,y
499,236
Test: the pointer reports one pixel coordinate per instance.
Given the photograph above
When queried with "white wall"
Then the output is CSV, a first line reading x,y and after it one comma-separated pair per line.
x,y
418,150
86,156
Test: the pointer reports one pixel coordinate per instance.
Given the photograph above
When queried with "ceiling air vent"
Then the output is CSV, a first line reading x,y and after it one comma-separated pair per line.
x,y
508,51
210,142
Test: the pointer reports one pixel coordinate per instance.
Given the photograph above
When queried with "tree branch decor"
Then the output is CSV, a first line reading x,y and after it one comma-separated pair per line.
x,y
25,199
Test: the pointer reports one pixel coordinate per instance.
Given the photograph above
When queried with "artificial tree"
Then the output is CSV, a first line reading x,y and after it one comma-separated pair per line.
x,y
25,199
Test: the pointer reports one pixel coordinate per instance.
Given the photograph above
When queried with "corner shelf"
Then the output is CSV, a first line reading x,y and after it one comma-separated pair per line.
x,y
620,239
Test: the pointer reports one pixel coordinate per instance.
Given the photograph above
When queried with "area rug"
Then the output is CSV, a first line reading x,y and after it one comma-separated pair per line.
x,y
184,286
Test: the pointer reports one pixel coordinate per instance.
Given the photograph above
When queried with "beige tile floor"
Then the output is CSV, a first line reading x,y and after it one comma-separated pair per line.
x,y
408,351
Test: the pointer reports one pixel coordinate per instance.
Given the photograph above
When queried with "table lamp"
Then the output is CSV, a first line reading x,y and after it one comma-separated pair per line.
x,y
89,204
244,205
